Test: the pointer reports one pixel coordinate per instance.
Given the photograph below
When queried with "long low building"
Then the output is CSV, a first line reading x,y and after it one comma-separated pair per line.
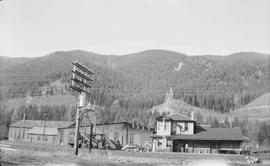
x,y
124,132
36,131
62,132
179,133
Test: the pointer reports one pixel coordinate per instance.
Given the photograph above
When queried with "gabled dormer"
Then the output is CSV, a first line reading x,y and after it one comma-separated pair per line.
x,y
175,124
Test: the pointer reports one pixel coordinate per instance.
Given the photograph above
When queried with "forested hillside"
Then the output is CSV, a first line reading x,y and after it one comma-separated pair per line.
x,y
148,74
125,86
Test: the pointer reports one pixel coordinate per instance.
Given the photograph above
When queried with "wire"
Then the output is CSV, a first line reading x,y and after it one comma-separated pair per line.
x,y
130,91
141,93
175,91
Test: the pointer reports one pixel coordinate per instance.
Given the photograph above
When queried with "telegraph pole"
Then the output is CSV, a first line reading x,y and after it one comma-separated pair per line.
x,y
81,82
46,116
91,135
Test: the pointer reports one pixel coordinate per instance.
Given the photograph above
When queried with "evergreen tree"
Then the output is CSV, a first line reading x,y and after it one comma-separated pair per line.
x,y
198,117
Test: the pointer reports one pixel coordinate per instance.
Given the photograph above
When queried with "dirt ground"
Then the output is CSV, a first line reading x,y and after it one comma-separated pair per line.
x,y
30,155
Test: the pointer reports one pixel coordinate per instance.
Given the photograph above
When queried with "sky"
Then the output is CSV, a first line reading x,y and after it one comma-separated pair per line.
x,y
32,28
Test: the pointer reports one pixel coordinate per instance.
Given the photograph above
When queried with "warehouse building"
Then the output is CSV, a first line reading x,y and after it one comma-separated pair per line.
x,y
62,132
37,131
124,132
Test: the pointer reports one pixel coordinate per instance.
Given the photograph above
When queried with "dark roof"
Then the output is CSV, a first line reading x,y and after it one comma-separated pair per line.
x,y
206,133
40,123
72,125
114,123
175,117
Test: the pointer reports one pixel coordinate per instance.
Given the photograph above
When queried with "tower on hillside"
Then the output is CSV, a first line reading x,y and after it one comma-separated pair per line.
x,y
169,95
168,99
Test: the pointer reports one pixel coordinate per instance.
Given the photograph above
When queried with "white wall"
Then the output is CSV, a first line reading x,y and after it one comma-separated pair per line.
x,y
163,127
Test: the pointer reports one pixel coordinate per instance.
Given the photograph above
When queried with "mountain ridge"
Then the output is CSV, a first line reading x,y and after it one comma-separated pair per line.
x,y
146,73
148,50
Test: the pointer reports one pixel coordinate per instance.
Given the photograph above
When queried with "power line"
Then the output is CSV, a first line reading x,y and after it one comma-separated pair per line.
x,y
192,91
125,94
129,91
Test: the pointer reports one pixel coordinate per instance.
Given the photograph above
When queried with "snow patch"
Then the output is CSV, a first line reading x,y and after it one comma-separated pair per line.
x,y
179,67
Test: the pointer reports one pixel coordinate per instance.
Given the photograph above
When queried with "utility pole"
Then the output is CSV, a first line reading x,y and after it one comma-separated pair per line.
x,y
46,116
91,135
81,82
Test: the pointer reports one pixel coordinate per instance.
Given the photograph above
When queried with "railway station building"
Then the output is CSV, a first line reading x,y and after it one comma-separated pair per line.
x,y
179,133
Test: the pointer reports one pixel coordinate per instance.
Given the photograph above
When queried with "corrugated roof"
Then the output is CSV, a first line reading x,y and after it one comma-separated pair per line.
x,y
40,123
40,131
206,133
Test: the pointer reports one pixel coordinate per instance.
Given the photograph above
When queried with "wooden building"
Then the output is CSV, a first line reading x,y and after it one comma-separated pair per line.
x,y
124,132
43,135
62,132
33,131
179,133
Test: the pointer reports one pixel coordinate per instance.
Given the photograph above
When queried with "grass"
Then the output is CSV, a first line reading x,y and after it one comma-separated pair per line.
x,y
39,155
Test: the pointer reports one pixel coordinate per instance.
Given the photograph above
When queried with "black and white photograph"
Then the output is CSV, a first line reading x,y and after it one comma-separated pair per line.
x,y
134,82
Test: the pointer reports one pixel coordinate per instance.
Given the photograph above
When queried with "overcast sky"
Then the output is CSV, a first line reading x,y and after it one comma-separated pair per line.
x,y
33,28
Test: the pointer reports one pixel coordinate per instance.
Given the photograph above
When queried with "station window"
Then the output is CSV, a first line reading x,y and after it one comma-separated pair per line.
x,y
186,126
158,126
46,138
38,138
161,125
19,134
159,142
164,125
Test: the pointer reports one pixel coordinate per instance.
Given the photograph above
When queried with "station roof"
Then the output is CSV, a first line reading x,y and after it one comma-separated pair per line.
x,y
210,134
175,117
